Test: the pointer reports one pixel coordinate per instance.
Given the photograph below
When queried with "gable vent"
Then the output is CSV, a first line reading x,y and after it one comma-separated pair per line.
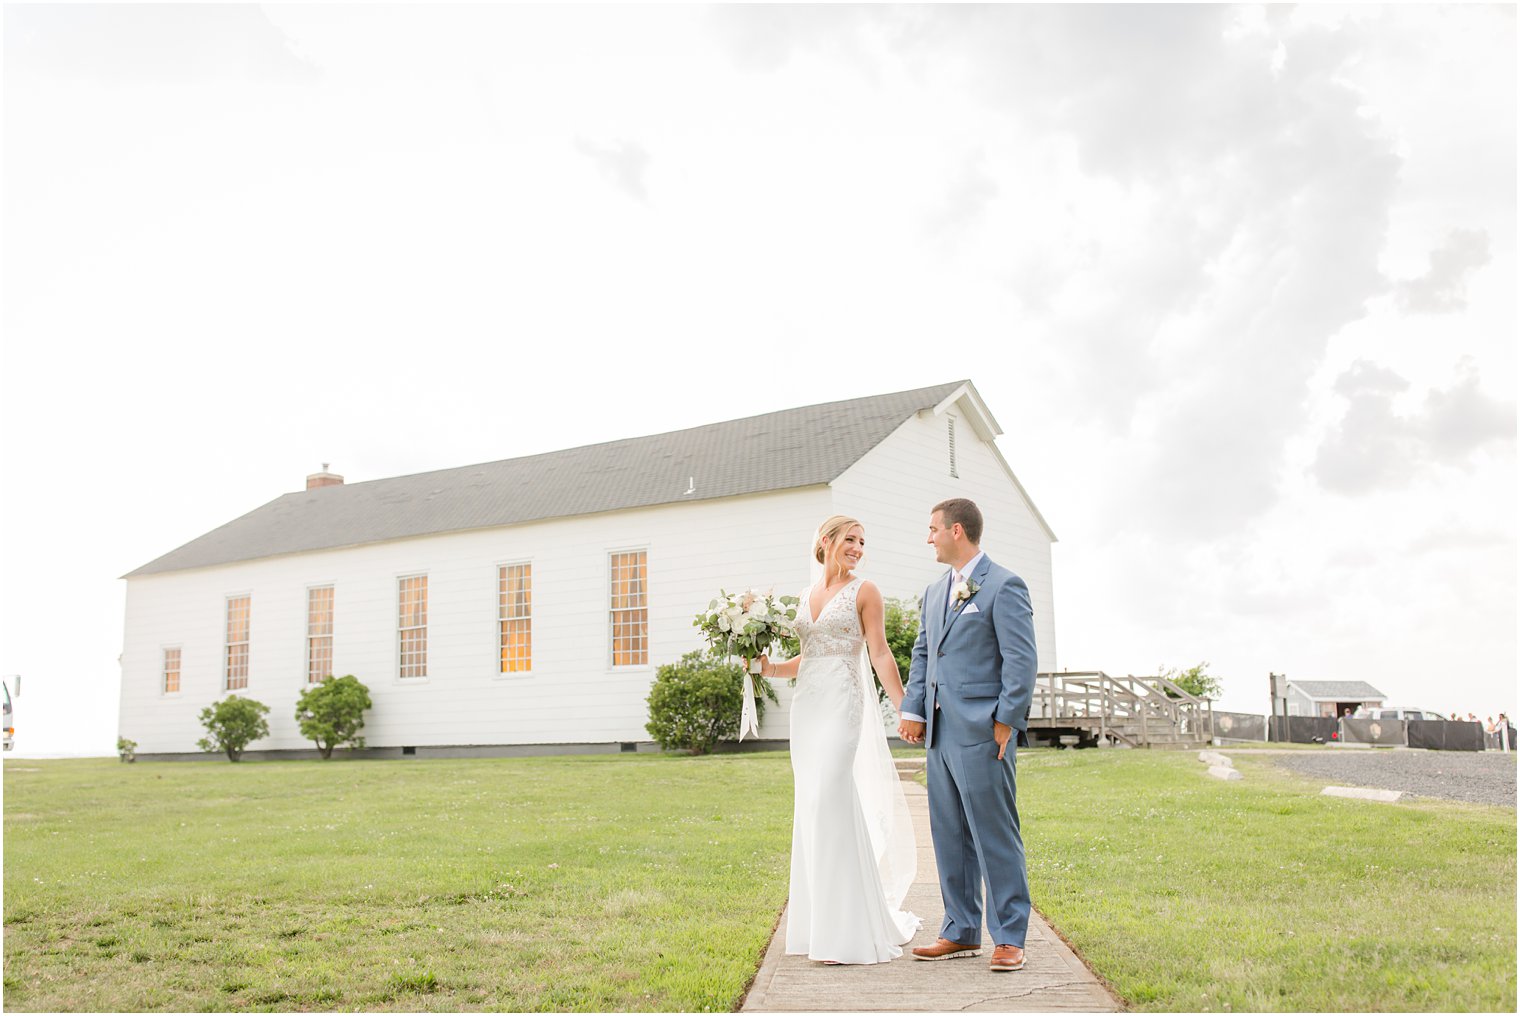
x,y
951,422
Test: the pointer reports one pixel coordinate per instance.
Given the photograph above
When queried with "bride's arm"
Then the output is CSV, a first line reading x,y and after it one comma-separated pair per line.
x,y
873,623
787,670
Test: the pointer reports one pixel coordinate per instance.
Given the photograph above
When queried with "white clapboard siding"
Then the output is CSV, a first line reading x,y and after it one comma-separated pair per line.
x,y
573,695
894,486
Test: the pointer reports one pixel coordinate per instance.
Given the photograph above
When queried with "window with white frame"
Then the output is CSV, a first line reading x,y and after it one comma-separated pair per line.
x,y
515,617
413,626
319,633
630,608
238,611
171,670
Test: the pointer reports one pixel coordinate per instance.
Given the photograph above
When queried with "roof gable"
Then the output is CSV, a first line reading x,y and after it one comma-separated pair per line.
x,y
775,451
968,400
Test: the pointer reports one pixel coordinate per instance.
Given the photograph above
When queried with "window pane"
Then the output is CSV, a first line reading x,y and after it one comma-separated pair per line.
x,y
319,629
516,647
515,604
238,612
629,608
412,626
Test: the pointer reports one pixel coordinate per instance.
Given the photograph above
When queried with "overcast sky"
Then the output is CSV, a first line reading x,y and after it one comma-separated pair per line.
x,y
1238,283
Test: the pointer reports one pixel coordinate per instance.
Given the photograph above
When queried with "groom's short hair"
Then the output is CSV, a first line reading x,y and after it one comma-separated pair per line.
x,y
964,511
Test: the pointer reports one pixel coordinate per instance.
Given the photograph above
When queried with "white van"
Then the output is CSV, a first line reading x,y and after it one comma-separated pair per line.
x,y
1396,713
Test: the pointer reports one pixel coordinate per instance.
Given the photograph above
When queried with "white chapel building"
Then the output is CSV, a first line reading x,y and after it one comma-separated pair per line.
x,y
524,605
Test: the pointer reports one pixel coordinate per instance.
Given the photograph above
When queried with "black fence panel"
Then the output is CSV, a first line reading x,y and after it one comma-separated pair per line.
x,y
1240,726
1366,731
1446,735
1305,729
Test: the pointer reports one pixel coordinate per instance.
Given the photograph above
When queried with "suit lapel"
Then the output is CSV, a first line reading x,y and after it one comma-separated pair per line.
x,y
979,576
934,610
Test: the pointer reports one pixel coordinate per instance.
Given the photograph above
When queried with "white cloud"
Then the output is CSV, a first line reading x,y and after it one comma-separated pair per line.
x,y
1376,446
149,43
1443,287
622,162
966,199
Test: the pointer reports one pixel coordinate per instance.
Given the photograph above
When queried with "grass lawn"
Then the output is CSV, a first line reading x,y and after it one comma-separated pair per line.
x,y
649,882
1189,894
594,883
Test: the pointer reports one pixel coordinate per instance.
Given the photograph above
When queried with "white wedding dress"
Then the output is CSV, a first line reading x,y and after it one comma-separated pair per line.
x,y
853,854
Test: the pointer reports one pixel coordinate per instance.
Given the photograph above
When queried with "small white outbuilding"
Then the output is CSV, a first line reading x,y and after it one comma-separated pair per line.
x,y
528,602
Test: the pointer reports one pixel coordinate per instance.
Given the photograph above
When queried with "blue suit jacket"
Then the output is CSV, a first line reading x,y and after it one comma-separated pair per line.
x,y
975,665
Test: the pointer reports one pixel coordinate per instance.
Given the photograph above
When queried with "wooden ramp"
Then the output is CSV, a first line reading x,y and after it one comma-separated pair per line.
x,y
1053,978
1095,709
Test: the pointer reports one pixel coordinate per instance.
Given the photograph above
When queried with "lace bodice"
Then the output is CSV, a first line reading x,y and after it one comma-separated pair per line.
x,y
837,631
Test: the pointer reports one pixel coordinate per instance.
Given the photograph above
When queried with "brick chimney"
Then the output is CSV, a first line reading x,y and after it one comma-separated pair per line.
x,y
323,479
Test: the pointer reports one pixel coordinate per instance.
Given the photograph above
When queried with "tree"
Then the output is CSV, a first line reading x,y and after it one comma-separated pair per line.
x,y
1194,681
331,713
901,621
698,701
233,724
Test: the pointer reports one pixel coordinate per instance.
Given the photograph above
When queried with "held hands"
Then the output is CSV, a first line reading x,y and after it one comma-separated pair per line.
x,y
912,731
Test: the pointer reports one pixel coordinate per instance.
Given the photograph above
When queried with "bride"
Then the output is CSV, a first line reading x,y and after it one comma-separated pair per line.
x,y
853,855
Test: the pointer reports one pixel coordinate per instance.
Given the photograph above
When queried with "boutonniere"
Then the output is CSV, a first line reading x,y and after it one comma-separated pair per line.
x,y
962,591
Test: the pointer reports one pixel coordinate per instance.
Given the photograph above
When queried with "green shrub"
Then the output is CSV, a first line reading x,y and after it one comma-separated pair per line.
x,y
331,712
127,749
697,702
1196,681
233,724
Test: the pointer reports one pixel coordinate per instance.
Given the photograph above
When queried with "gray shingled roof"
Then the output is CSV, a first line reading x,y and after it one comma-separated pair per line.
x,y
776,451
1343,691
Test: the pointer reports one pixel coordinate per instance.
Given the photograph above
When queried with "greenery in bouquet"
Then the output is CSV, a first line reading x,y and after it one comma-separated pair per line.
x,y
750,623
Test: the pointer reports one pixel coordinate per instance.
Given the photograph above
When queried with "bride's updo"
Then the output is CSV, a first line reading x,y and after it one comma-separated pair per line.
x,y
833,527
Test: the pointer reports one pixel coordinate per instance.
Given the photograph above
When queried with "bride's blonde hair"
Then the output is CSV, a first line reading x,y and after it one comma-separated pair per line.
x,y
832,527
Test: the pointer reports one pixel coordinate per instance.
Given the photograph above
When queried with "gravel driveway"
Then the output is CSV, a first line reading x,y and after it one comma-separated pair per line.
x,y
1486,777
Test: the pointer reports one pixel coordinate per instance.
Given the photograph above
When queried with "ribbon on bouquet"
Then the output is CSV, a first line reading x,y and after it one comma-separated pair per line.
x,y
749,716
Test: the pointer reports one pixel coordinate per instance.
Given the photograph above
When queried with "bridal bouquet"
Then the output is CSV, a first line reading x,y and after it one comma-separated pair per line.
x,y
748,624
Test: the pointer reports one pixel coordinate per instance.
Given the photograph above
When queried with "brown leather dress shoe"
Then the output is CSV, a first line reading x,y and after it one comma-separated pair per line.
x,y
944,949
1006,958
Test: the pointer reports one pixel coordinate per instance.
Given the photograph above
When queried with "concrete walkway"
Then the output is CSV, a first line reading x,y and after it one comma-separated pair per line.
x,y
1053,979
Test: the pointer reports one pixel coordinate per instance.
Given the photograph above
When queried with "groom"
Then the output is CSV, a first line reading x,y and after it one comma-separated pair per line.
x,y
968,692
